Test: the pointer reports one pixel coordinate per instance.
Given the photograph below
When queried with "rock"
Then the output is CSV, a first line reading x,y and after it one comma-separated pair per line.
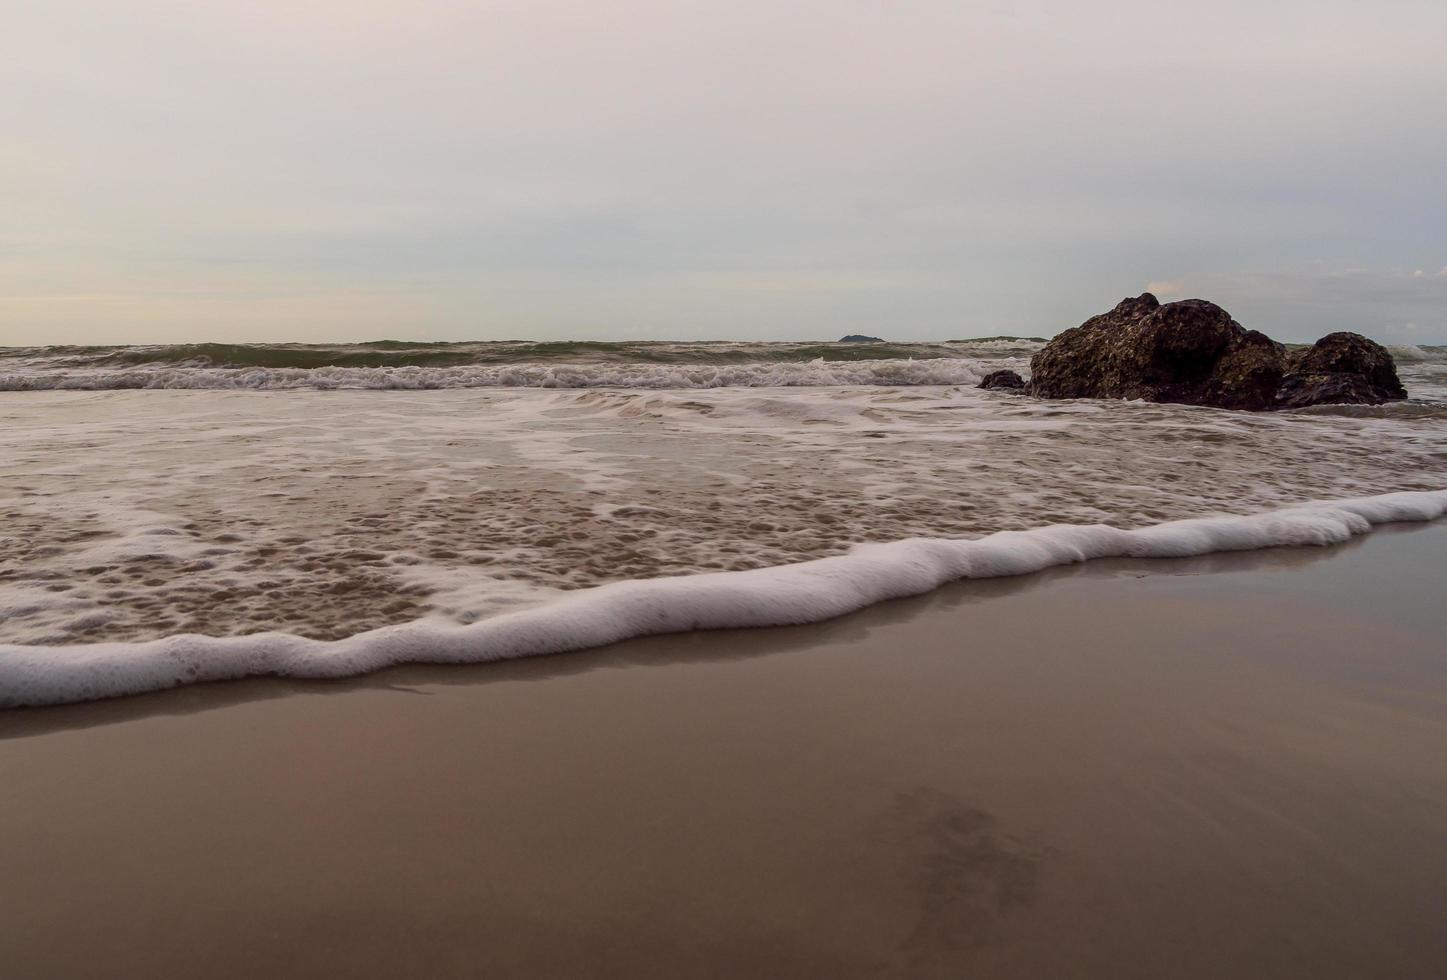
x,y
1005,379
1340,369
859,338
1192,352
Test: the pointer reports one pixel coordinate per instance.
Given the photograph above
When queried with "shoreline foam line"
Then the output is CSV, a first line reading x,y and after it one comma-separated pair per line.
x,y
783,595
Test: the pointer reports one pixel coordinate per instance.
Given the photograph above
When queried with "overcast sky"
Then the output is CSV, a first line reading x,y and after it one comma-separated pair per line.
x,y
358,169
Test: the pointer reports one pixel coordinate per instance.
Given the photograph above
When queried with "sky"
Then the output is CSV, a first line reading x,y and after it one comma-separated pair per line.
x,y
325,170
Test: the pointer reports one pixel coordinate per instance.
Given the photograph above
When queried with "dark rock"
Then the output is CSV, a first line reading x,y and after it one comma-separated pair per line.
x,y
1005,379
859,338
1192,352
1340,369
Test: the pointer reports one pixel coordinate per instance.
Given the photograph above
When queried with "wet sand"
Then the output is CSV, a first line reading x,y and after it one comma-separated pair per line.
x,y
1224,767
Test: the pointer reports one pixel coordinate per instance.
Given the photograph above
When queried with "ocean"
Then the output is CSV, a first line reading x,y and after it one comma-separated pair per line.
x,y
179,513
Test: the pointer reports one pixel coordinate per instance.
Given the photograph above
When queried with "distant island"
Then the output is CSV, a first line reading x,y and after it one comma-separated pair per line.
x,y
859,338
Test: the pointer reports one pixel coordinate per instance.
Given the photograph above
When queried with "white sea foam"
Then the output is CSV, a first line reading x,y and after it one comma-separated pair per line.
x,y
790,594
129,516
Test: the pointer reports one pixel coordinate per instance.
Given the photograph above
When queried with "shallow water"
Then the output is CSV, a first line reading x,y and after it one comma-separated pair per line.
x,y
130,515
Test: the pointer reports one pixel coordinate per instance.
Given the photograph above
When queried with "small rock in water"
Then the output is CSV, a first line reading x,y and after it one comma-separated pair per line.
x,y
859,338
1340,369
1006,380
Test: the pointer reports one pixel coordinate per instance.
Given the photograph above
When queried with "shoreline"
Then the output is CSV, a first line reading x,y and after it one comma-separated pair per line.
x,y
1205,767
701,645
806,592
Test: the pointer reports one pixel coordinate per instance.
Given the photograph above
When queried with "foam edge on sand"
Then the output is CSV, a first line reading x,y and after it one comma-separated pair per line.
x,y
806,592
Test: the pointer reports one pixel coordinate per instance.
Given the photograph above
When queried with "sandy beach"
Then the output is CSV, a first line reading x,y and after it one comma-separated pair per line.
x,y
752,491
1221,767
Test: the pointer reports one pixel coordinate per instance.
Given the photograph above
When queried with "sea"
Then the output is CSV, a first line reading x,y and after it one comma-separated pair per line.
x,y
176,513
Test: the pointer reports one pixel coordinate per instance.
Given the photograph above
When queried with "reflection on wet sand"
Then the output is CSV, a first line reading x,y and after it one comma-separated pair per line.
x,y
1230,769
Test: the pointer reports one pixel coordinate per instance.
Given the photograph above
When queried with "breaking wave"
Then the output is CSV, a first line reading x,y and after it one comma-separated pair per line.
x,y
559,364
392,364
814,373
1414,353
